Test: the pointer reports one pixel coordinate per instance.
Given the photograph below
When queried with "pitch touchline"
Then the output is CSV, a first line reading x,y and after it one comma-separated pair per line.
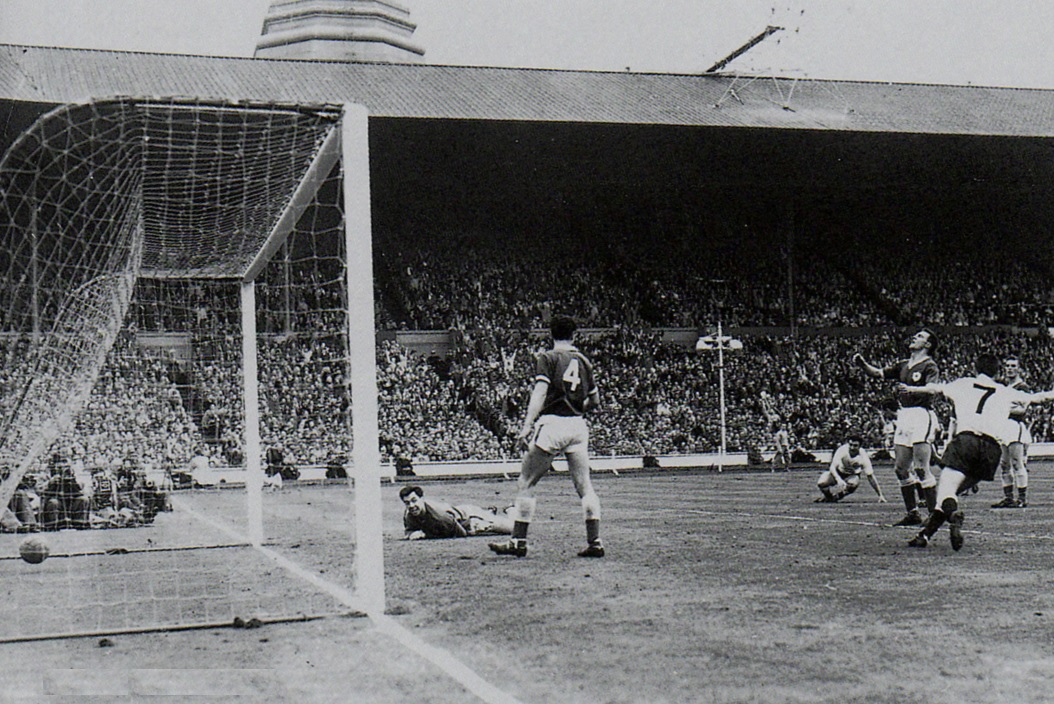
x,y
870,524
439,657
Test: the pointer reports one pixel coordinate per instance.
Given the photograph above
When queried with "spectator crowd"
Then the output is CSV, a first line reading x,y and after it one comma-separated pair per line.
x,y
801,311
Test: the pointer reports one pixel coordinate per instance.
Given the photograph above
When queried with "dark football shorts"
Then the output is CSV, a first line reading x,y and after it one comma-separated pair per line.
x,y
976,456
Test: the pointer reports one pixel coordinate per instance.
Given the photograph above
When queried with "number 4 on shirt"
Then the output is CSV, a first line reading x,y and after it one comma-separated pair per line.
x,y
572,375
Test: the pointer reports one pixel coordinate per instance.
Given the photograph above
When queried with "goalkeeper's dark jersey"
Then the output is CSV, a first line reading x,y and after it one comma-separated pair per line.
x,y
434,523
569,374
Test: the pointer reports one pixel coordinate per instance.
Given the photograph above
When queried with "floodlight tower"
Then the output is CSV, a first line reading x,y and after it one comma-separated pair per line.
x,y
720,294
720,343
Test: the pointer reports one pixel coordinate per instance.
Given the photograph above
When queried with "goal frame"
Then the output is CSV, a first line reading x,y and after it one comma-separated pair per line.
x,y
349,144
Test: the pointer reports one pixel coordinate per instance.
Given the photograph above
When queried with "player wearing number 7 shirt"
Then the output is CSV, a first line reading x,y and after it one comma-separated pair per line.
x,y
564,390
982,407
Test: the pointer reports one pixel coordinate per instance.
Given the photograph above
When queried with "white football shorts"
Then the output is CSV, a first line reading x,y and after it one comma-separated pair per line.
x,y
1015,431
915,424
559,434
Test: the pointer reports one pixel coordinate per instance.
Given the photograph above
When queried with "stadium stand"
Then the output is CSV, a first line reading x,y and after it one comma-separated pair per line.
x,y
659,397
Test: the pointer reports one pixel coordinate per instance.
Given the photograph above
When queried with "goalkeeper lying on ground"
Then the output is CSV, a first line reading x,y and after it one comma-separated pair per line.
x,y
437,519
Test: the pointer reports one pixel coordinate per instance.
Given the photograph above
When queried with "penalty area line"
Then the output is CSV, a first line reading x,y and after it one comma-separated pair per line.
x,y
441,658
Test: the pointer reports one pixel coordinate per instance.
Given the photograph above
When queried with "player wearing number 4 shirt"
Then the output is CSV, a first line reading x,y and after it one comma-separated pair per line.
x,y
982,407
564,390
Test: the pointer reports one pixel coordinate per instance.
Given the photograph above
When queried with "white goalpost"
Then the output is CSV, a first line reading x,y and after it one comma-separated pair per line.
x,y
188,282
361,331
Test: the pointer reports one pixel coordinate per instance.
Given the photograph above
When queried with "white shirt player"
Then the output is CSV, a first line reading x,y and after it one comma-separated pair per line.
x,y
1018,408
851,465
982,404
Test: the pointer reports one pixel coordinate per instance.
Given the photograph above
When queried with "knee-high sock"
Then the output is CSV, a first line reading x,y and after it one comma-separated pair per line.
x,y
525,506
907,490
930,494
934,522
591,511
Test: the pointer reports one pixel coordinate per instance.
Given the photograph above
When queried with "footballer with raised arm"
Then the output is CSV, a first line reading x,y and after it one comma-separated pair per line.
x,y
914,429
982,406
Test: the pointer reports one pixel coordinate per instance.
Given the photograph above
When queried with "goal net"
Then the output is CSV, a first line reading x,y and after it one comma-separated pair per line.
x,y
175,397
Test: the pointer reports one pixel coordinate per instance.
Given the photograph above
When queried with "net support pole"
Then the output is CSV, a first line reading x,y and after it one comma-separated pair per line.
x,y
251,399
358,233
721,395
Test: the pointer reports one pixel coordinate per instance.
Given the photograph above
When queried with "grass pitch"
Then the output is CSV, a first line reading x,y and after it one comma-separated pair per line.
x,y
729,587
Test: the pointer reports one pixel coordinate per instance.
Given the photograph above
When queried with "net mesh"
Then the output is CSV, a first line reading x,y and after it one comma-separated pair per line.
x,y
216,181
127,229
94,195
